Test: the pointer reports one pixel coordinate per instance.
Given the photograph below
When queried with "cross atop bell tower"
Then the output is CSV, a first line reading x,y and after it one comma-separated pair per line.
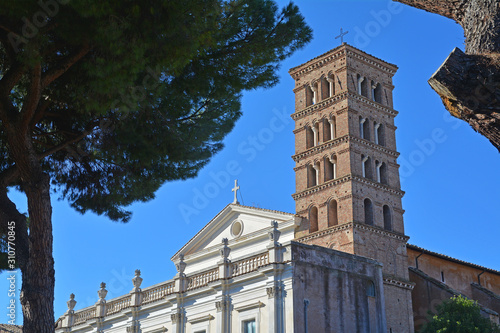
x,y
347,176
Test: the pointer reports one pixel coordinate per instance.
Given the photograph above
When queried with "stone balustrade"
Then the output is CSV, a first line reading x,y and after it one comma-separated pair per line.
x,y
180,284
156,293
83,316
249,265
118,305
203,279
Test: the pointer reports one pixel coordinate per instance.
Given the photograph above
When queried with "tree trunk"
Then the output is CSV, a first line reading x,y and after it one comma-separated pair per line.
x,y
36,261
470,91
469,84
37,293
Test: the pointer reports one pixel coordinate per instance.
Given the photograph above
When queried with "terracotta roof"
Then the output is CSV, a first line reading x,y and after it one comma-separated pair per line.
x,y
338,48
445,257
4,328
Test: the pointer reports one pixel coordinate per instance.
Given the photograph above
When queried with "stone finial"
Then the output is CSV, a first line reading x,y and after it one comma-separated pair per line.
x,y
102,292
274,234
225,251
137,280
181,265
71,303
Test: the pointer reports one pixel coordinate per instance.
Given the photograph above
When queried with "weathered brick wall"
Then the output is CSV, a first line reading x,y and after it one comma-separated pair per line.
x,y
335,287
350,188
457,275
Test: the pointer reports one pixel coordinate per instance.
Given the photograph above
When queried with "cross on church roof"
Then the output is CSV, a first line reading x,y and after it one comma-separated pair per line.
x,y
341,36
235,190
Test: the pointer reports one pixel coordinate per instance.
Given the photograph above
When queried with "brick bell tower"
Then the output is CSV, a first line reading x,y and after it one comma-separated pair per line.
x,y
347,179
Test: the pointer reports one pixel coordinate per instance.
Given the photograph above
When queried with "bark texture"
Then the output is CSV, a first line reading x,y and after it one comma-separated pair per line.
x,y
468,83
34,249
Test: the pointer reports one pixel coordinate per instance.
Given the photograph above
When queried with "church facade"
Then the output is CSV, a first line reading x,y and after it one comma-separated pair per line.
x,y
341,263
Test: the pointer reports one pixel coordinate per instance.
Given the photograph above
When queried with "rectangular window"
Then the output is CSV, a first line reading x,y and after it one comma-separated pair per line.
x,y
249,326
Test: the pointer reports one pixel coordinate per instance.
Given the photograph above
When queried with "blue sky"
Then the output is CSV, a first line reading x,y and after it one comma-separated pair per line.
x,y
449,172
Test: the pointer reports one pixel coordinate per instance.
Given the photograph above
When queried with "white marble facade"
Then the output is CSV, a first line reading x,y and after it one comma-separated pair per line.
x,y
239,274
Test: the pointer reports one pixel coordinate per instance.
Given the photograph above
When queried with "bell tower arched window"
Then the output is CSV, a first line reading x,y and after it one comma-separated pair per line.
x,y
312,175
315,130
368,211
366,167
329,129
362,85
330,168
378,130
377,92
309,137
309,95
331,85
326,130
325,89
381,171
313,219
333,218
314,89
387,218
384,179
364,128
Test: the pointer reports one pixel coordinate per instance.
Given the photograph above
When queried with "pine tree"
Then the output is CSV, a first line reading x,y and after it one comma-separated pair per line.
x,y
104,101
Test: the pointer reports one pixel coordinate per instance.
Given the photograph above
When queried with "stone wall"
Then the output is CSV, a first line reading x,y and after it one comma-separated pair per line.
x,y
336,291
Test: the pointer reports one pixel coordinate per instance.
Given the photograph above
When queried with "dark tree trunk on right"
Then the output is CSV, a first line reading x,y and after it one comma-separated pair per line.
x,y
468,83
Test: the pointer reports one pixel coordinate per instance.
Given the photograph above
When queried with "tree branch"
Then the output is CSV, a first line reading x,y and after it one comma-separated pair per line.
x,y
63,145
453,9
468,86
8,176
32,97
10,79
40,112
52,74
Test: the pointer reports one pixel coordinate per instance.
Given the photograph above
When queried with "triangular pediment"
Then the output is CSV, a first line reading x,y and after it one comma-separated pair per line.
x,y
235,222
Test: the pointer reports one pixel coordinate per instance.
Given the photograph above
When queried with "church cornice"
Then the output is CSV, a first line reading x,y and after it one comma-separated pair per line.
x,y
345,179
380,107
379,186
343,139
321,187
317,62
324,232
371,60
373,145
342,51
320,148
319,106
351,226
340,97
380,231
